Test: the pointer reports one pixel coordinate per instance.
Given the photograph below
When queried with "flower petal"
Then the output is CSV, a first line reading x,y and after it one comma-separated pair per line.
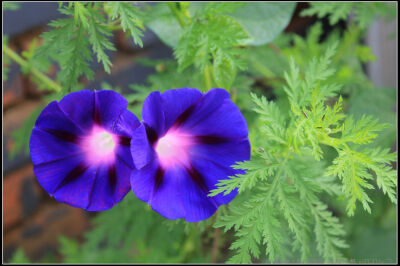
x,y
123,185
76,191
53,120
153,113
198,206
176,102
102,191
108,107
211,172
204,108
46,147
166,196
51,175
160,189
226,121
84,115
143,180
141,149
126,123
224,153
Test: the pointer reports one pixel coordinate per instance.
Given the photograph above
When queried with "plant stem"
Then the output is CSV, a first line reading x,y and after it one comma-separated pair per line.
x,y
42,77
275,48
277,176
207,78
214,252
178,15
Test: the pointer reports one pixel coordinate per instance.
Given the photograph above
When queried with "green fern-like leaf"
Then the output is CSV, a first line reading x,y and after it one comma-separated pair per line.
x,y
210,39
289,173
365,12
98,37
130,19
361,132
71,39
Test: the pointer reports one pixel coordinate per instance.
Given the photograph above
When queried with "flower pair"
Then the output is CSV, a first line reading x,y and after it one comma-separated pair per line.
x,y
88,150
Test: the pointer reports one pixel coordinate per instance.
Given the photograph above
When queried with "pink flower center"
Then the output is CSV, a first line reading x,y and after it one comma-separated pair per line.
x,y
173,148
100,146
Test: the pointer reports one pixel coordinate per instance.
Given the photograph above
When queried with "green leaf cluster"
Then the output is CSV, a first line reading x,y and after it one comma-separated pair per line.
x,y
209,41
10,6
365,12
19,257
288,164
131,19
74,41
132,233
211,35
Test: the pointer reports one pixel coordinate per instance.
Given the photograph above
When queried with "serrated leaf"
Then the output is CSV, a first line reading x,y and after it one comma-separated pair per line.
x,y
384,100
130,19
224,70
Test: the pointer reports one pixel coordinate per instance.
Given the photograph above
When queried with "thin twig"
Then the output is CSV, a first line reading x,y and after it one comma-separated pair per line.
x,y
177,14
275,48
215,248
50,84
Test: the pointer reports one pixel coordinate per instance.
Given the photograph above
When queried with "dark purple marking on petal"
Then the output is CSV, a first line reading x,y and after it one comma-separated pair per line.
x,y
199,181
212,172
158,178
151,134
185,115
60,159
125,141
96,112
153,114
72,175
176,101
157,182
112,177
64,135
91,189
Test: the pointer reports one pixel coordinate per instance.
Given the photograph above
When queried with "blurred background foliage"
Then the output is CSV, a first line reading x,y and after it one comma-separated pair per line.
x,y
207,55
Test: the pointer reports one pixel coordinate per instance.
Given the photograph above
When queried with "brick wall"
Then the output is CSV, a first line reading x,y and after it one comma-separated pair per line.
x,y
32,220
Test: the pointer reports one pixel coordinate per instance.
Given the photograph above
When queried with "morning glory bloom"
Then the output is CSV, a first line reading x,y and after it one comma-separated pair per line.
x,y
187,141
80,149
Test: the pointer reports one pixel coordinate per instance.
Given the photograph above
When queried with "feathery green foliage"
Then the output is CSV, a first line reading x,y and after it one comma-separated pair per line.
x,y
67,44
132,232
19,257
9,6
365,12
130,19
283,170
73,39
211,36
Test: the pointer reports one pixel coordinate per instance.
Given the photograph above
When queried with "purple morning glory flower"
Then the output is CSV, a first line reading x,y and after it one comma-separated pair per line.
x,y
187,142
80,149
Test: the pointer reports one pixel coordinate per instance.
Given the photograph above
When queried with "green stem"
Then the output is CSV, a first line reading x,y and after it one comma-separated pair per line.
x,y
114,25
177,14
207,78
42,77
277,176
